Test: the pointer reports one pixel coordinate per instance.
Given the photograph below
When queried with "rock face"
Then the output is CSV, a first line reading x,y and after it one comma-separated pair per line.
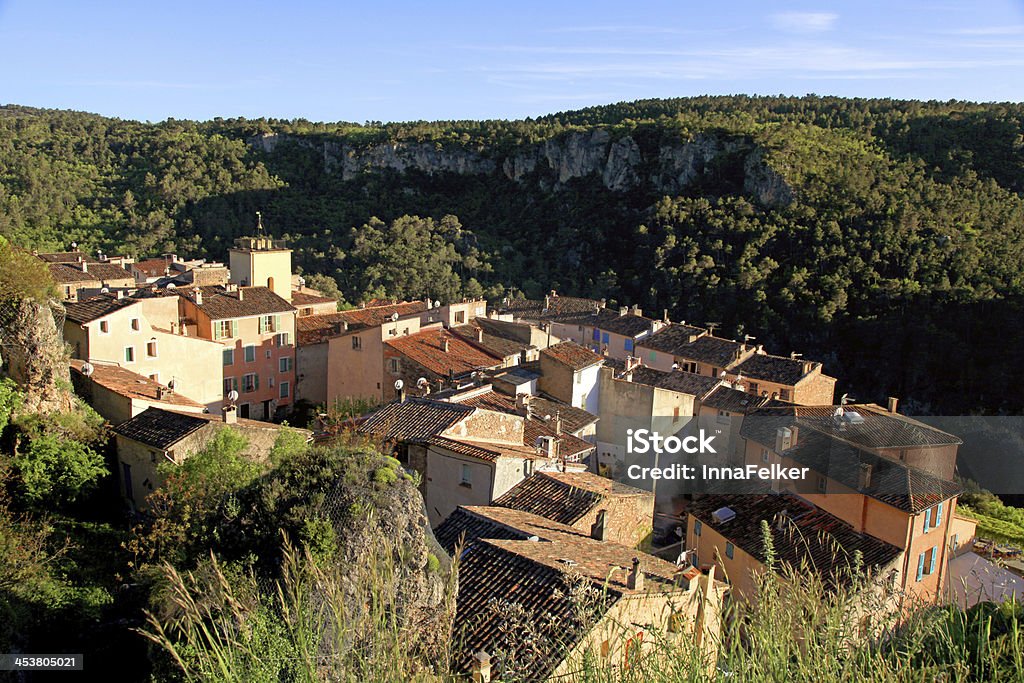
x,y
34,352
620,164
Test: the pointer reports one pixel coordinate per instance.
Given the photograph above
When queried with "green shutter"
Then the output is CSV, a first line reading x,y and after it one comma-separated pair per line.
x,y
216,330
935,553
256,380
259,325
234,328
920,567
928,519
938,516
277,323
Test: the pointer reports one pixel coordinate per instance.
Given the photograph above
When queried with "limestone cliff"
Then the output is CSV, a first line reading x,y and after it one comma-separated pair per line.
x,y
34,355
619,164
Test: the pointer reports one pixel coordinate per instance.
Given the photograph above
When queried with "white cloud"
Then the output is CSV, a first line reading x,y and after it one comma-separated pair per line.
x,y
804,22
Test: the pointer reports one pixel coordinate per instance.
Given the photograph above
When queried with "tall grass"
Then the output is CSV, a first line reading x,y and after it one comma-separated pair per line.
x,y
340,624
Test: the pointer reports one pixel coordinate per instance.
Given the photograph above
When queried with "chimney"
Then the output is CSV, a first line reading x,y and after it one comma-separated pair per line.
x,y
241,294
760,349
479,334
635,310
445,345
523,404
85,266
599,529
401,395
197,296
558,423
230,415
173,327
553,294
159,393
864,480
808,366
664,316
119,294
623,310
549,445
635,581
794,434
783,439
604,302
547,302
893,404
481,667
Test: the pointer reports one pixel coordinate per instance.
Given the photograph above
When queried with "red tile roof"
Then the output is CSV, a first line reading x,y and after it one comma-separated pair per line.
x,y
306,299
572,354
130,384
220,304
427,348
485,450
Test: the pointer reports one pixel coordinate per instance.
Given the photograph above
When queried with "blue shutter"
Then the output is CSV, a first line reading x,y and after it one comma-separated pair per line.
x,y
604,338
920,567
938,515
597,334
696,528
927,520
935,553
629,344
729,549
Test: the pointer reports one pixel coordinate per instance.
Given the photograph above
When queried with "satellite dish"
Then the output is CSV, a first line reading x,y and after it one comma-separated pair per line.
x,y
422,382
394,317
172,385
172,286
87,369
675,366
722,374
399,385
437,304
302,281
105,290
74,245
232,395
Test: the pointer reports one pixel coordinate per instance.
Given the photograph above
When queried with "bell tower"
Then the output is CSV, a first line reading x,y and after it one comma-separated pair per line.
x,y
261,262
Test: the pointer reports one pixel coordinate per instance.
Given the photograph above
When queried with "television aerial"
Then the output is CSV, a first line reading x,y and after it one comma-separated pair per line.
x,y
87,369
232,395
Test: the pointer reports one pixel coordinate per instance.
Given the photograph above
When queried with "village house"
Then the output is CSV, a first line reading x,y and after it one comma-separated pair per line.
x,y
118,394
309,302
690,351
788,379
433,357
465,455
724,408
255,329
139,335
610,333
156,436
517,559
496,339
261,262
569,373
84,278
587,502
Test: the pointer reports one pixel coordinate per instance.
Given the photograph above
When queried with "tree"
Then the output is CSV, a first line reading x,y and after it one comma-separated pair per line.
x,y
53,470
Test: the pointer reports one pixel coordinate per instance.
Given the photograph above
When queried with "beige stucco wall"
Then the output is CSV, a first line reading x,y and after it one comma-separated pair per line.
x,y
263,269
311,373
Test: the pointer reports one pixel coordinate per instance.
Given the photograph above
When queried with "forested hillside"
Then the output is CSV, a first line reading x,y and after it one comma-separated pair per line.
x,y
883,237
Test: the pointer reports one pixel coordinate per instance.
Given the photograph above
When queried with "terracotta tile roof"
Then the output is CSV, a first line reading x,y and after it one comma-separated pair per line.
x,y
220,304
574,420
415,419
307,299
160,428
778,369
427,349
65,274
66,257
314,329
558,307
563,497
96,307
682,382
626,324
670,339
130,384
714,351
572,354
493,344
569,446
733,400
892,482
805,537
485,450
153,267
109,271
371,316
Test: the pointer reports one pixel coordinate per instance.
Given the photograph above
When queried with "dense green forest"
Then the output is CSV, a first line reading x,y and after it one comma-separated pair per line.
x,y
883,237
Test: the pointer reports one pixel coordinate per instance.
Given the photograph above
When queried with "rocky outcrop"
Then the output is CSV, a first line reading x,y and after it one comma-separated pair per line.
x,y
33,351
620,164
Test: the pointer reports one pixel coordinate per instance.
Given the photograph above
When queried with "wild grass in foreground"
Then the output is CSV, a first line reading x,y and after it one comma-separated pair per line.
x,y
323,624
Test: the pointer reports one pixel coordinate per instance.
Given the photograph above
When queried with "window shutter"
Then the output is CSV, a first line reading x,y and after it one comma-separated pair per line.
x,y
920,567
935,552
256,381
928,519
938,515
277,323
216,330
234,328
259,325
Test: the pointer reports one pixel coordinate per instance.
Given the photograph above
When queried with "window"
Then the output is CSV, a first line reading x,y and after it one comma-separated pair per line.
x,y
753,388
393,332
151,348
136,325
284,364
285,388
357,343
229,356
953,541
605,338
250,353
784,394
269,323
926,562
467,476
152,456
155,377
579,378
653,355
104,327
230,384
764,455
460,317
714,372
696,527
393,364
250,383
723,417
933,518
628,345
822,484
308,310
689,366
283,339
730,550
675,412
225,329
129,354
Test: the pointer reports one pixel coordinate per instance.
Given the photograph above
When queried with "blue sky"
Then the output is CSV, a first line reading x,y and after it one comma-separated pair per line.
x,y
331,61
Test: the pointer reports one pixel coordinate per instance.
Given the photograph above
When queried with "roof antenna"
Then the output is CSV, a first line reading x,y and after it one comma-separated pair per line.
x,y
259,222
